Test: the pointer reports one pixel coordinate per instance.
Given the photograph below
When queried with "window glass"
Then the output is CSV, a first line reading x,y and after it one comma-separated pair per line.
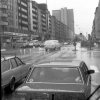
x,y
56,75
13,62
85,70
5,65
19,62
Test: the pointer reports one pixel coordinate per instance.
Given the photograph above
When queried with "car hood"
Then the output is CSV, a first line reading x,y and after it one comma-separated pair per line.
x,y
52,87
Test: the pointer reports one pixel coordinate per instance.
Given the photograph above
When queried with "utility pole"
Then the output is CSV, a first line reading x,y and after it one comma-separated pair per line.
x,y
90,41
75,40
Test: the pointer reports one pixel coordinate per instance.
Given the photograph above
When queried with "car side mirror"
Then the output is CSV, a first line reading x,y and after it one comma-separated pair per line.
x,y
90,71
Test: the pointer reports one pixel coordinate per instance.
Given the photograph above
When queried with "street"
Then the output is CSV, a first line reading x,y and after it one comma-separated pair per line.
x,y
91,57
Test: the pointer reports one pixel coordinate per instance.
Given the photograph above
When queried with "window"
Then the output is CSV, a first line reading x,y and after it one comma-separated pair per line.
x,y
25,16
24,4
13,62
19,8
67,75
24,10
19,62
5,65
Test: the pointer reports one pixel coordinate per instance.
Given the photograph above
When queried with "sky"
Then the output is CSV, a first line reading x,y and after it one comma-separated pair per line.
x,y
83,12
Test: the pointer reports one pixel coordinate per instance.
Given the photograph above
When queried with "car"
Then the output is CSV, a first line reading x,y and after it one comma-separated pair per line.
x,y
56,80
50,45
13,70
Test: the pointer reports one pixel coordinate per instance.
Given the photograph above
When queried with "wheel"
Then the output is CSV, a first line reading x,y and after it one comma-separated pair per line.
x,y
12,85
2,91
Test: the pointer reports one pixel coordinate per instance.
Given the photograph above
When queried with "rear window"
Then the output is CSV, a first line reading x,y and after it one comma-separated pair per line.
x,y
5,65
55,75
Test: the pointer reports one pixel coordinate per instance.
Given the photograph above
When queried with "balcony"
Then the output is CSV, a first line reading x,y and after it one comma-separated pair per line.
x,y
44,21
3,6
3,14
35,17
3,23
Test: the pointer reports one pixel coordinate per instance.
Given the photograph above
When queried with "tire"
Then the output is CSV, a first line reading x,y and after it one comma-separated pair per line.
x,y
2,91
12,85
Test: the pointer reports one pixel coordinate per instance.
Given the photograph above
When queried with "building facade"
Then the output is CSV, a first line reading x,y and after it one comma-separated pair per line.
x,y
61,15
14,21
24,20
96,24
40,20
33,19
70,23
66,16
58,30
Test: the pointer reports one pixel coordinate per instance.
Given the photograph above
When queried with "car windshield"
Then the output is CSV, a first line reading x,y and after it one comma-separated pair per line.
x,y
55,75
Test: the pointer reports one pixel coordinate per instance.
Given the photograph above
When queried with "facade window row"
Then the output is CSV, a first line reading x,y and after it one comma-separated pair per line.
x,y
25,28
35,17
25,16
43,16
24,22
35,20
34,25
34,10
24,10
24,4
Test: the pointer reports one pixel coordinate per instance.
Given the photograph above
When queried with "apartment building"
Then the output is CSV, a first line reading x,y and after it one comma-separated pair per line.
x,y
3,15
40,22
58,30
34,16
96,24
23,15
66,16
70,23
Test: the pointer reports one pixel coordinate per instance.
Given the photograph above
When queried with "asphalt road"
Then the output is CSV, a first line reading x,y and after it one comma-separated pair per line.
x,y
91,57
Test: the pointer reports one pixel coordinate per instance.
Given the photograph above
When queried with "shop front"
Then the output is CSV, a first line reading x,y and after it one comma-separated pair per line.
x,y
12,40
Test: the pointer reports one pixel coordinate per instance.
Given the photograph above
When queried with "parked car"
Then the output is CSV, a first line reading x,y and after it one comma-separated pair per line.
x,y
50,45
13,70
56,80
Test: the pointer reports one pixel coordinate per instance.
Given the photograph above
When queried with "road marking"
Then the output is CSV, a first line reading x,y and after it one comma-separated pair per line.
x,y
95,68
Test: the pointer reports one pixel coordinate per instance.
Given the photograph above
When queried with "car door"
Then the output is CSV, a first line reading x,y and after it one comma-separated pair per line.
x,y
6,72
24,69
15,69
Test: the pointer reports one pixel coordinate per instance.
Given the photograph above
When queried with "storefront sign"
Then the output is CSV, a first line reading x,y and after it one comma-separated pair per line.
x,y
15,34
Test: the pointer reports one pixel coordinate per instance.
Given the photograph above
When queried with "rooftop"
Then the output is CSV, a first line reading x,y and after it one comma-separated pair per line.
x,y
60,63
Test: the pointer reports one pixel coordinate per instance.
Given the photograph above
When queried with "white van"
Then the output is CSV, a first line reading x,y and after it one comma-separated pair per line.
x,y
52,45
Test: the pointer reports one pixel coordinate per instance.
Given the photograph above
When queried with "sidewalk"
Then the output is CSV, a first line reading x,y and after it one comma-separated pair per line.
x,y
96,48
13,52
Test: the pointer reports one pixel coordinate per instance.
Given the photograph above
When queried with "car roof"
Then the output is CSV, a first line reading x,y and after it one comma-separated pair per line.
x,y
6,58
60,63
